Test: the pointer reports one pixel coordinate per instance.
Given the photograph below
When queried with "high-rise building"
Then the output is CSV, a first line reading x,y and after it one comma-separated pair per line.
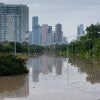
x,y
58,33
14,22
54,37
44,34
49,29
64,40
80,31
35,21
49,36
36,31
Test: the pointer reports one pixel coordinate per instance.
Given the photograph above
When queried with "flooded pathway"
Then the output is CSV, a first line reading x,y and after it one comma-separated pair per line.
x,y
53,78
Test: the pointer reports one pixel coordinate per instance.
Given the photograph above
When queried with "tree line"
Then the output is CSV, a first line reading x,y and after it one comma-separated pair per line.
x,y
9,47
88,46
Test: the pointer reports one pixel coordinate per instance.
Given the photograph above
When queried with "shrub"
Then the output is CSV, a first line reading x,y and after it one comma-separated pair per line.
x,y
11,65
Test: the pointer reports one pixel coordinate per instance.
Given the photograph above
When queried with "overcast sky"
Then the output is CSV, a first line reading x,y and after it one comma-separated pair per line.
x,y
70,13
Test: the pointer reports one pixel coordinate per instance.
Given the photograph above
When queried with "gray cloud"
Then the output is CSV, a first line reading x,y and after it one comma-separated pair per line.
x,y
68,12
56,2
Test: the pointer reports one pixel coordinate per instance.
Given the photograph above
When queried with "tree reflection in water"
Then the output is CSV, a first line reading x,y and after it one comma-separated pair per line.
x,y
92,69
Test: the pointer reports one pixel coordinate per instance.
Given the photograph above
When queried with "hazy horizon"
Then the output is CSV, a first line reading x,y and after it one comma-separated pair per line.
x,y
67,12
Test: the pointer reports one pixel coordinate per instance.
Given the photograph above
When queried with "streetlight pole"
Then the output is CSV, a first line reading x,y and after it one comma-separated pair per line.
x,y
15,46
72,52
67,48
93,50
29,48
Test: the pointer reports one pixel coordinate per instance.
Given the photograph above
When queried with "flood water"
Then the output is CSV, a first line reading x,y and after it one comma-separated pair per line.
x,y
54,78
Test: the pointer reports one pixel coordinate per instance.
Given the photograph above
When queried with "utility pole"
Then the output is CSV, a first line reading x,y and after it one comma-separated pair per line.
x,y
29,48
67,49
15,45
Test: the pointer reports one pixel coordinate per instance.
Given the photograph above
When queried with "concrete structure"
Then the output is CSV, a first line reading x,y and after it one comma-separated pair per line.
x,y
44,34
58,33
14,22
64,40
36,31
49,36
80,31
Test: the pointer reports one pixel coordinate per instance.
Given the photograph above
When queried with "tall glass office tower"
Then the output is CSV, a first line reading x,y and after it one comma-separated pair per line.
x,y
36,31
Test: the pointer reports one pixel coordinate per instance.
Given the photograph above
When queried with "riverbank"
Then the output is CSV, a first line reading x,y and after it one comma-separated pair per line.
x,y
81,56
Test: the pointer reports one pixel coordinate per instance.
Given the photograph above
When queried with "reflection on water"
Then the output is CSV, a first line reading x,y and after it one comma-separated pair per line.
x,y
53,77
45,64
64,77
14,86
91,69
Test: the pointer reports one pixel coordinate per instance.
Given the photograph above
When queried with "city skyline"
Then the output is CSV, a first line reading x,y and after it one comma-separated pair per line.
x,y
67,12
44,35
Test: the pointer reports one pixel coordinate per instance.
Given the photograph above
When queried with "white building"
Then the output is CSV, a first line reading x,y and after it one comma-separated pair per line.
x,y
14,22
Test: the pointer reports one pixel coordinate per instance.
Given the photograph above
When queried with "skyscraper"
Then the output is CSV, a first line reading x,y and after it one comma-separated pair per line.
x,y
35,21
58,33
49,36
64,40
36,31
44,34
14,22
80,31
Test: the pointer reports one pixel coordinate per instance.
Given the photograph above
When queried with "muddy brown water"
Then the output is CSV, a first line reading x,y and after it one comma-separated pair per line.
x,y
53,78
